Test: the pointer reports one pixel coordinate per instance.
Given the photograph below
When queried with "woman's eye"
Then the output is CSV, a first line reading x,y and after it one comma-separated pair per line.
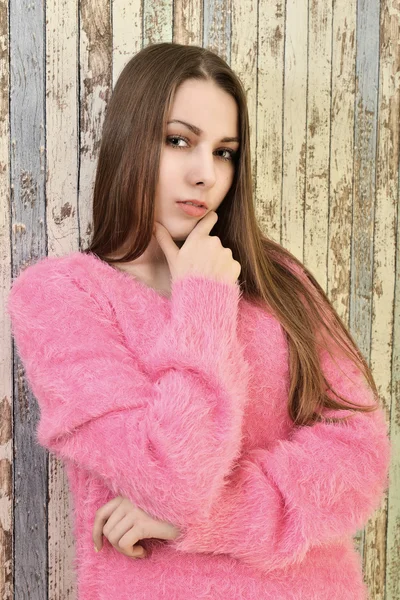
x,y
230,155
175,137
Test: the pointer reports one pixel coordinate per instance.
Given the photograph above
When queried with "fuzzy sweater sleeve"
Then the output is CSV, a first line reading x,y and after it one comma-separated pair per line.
x,y
166,437
321,484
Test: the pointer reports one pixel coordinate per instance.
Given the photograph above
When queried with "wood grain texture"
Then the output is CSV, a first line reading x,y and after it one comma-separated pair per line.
x,y
316,206
322,79
62,145
366,109
217,27
188,22
364,171
244,63
384,344
270,69
157,21
341,155
28,244
95,64
6,358
295,127
127,33
393,526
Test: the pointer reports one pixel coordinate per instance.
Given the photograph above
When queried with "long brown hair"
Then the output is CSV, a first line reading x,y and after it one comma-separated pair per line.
x,y
123,214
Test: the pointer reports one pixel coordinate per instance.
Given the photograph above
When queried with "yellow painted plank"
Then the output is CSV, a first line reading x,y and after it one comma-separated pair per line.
x,y
318,135
268,185
244,62
383,559
63,237
294,137
341,150
95,90
188,22
127,32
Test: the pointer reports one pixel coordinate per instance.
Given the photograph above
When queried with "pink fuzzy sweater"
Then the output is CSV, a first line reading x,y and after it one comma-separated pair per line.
x,y
180,404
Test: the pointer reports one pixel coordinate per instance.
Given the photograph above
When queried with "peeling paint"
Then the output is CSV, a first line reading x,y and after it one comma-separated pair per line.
x,y
5,420
29,188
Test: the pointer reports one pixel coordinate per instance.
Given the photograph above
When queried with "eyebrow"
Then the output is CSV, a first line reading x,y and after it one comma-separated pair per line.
x,y
198,131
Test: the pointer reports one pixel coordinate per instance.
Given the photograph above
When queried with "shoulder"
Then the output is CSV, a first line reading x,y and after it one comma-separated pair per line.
x,y
57,277
75,266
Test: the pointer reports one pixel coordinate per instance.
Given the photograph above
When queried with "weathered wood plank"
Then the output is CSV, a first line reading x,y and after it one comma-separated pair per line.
x,y
385,341
341,155
6,359
366,109
61,127
188,22
341,164
28,245
244,62
217,27
157,21
63,237
384,264
268,184
364,171
290,146
95,88
393,529
294,140
127,31
318,135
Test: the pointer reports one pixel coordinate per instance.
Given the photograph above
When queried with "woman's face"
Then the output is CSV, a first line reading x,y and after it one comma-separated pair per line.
x,y
201,166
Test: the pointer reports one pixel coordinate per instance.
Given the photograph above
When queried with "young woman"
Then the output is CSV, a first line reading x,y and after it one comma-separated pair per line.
x,y
214,415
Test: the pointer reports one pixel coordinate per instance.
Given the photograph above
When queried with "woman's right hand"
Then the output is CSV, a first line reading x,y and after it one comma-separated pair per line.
x,y
124,524
201,254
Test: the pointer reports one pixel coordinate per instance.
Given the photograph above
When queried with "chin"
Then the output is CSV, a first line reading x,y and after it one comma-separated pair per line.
x,y
179,233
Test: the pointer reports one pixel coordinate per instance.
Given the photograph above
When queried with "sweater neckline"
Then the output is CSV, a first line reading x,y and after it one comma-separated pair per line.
x,y
126,277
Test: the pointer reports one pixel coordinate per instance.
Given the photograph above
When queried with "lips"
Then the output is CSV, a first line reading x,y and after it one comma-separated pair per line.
x,y
195,202
192,211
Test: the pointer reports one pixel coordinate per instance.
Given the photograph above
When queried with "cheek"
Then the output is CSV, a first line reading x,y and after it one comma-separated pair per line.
x,y
169,168
228,180
166,183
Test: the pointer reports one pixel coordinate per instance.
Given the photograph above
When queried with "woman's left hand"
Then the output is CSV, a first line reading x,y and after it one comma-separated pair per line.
x,y
124,524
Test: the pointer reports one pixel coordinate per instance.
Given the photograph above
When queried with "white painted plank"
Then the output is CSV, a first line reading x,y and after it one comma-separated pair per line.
x,y
157,21
63,237
294,137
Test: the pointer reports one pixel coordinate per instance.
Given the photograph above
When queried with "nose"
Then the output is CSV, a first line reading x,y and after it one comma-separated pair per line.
x,y
203,167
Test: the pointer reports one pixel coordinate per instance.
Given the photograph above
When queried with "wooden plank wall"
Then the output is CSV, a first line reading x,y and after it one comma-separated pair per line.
x,y
323,85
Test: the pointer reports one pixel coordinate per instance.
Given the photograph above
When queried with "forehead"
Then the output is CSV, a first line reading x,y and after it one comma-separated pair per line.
x,y
206,105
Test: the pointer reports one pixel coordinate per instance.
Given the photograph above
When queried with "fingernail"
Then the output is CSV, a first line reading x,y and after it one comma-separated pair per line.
x,y
95,549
